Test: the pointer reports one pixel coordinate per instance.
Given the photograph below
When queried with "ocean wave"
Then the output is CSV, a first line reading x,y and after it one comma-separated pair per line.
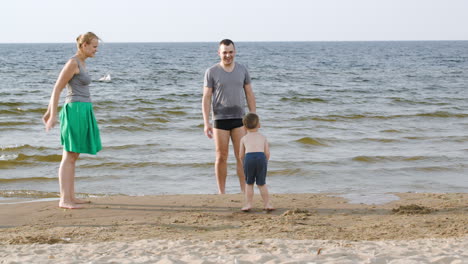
x,y
146,109
286,172
11,112
120,120
442,114
303,100
21,147
4,157
335,118
14,123
413,102
163,99
104,103
22,111
22,159
391,131
359,80
156,120
36,179
12,104
129,165
175,112
130,146
133,128
43,158
445,139
382,140
42,194
376,159
129,123
435,169
28,194
183,95
311,141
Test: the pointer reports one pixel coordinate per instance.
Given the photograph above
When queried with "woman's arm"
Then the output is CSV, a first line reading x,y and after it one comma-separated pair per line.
x,y
50,117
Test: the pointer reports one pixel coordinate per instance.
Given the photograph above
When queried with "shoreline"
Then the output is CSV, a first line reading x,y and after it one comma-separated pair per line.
x,y
210,216
316,228
352,198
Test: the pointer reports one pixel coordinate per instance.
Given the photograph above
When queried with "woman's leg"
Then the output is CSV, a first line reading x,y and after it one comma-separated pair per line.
x,y
67,180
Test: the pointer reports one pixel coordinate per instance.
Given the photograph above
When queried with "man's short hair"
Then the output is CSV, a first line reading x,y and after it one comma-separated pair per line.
x,y
250,120
226,42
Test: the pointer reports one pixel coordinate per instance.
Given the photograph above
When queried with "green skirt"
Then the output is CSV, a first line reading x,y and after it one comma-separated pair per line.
x,y
79,131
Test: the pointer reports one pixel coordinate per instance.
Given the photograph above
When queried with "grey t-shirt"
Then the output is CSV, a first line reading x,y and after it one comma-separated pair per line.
x,y
78,86
228,91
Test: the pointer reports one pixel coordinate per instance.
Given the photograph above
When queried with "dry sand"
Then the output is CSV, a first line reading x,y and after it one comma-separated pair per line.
x,y
305,228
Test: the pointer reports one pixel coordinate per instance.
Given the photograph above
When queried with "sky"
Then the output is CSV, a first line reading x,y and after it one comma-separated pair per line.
x,y
50,21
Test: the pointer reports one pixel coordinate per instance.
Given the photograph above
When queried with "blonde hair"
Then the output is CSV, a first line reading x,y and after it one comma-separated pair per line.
x,y
85,38
250,120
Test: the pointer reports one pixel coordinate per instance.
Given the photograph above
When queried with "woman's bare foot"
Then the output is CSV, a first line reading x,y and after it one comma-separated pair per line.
x,y
70,206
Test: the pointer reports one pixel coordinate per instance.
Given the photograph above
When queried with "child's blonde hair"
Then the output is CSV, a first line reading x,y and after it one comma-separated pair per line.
x,y
250,120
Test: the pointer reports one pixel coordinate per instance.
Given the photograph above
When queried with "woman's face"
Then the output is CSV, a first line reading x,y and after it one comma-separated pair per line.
x,y
90,49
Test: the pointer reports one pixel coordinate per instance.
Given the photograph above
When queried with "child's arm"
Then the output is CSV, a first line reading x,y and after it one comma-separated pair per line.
x,y
242,150
267,150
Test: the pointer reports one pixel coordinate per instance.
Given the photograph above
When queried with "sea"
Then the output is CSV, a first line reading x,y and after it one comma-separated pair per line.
x,y
361,120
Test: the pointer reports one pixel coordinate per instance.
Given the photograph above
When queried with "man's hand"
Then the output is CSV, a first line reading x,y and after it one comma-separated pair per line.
x,y
208,131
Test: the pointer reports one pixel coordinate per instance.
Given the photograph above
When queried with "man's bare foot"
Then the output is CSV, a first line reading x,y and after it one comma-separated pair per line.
x,y
79,201
70,206
246,208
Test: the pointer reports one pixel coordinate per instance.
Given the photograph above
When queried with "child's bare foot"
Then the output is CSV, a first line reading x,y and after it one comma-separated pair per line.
x,y
268,207
70,206
79,201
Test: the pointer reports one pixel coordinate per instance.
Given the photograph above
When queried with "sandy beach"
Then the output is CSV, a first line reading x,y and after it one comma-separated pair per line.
x,y
305,228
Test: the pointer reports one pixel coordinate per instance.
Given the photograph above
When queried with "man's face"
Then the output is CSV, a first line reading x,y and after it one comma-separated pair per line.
x,y
227,54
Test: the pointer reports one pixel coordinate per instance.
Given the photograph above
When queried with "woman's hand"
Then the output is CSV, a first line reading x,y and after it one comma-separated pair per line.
x,y
49,120
46,116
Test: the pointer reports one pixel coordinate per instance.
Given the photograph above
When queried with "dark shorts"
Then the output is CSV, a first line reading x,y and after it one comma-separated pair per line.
x,y
228,124
255,168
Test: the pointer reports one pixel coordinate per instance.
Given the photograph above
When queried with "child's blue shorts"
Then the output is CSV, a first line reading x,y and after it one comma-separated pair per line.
x,y
255,168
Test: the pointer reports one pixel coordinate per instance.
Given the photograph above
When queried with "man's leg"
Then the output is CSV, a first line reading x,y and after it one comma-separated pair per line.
x,y
221,138
236,136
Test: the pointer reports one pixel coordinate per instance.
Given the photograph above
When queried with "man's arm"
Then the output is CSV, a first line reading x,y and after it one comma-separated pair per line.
x,y
206,108
250,97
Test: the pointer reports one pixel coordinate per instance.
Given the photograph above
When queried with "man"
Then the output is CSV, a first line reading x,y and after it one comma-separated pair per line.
x,y
226,88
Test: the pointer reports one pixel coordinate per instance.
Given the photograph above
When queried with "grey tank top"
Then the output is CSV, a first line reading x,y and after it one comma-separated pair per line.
x,y
78,86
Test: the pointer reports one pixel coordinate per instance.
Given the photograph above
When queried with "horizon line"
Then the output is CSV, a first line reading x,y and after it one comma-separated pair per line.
x,y
244,41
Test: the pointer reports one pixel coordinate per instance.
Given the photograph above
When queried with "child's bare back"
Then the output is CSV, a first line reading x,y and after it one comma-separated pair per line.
x,y
254,142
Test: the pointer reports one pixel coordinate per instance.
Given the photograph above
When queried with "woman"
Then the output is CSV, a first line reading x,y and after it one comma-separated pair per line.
x,y
79,132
